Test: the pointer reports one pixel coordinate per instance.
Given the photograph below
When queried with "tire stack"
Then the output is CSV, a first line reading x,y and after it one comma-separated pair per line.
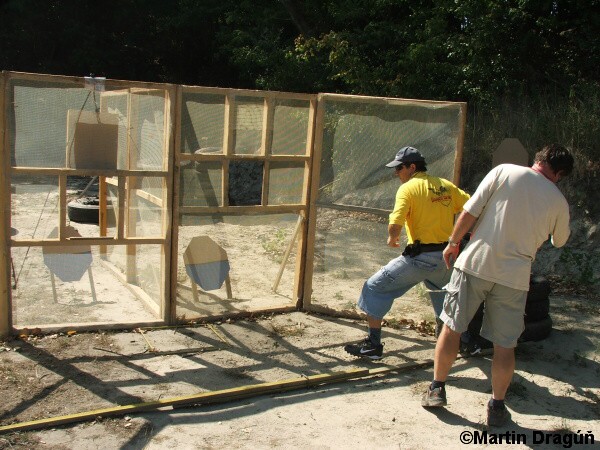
x,y
538,323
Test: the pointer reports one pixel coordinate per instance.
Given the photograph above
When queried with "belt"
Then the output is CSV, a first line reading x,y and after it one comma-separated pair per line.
x,y
416,248
433,247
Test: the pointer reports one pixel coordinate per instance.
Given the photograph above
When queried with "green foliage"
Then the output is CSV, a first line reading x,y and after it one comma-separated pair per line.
x,y
527,68
571,118
472,50
275,245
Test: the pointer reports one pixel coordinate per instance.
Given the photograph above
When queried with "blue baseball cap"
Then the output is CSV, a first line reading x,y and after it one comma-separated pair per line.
x,y
406,155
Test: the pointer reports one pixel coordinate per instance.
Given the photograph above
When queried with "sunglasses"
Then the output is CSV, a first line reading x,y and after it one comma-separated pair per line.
x,y
399,167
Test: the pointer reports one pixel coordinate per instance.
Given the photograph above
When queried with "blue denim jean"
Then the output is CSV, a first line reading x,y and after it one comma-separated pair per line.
x,y
400,275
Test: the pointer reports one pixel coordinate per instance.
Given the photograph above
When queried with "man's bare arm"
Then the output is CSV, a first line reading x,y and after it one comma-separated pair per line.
x,y
394,235
464,223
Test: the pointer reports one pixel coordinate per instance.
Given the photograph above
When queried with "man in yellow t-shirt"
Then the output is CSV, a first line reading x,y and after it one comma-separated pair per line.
x,y
426,205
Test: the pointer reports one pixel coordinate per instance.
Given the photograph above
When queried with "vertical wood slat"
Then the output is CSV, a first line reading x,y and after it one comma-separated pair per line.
x,y
266,142
102,213
312,204
5,210
460,141
229,125
300,274
171,304
127,216
172,99
62,206
121,206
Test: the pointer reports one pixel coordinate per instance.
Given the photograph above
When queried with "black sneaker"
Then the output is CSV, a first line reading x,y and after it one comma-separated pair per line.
x,y
433,398
496,417
365,349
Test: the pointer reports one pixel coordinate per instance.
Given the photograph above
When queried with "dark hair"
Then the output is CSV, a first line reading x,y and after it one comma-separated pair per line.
x,y
420,166
557,157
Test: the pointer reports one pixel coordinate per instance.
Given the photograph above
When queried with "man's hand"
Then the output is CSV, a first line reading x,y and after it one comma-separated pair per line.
x,y
450,255
393,239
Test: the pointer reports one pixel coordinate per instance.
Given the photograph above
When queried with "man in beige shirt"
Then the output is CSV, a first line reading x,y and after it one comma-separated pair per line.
x,y
512,213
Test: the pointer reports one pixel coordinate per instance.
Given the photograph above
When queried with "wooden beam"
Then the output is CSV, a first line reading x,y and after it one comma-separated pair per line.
x,y
242,157
5,213
460,141
170,146
75,241
265,147
309,253
300,271
248,93
171,305
228,145
87,172
102,213
383,100
238,210
222,396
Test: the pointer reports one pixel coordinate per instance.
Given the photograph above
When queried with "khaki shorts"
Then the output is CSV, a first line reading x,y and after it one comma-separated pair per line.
x,y
504,308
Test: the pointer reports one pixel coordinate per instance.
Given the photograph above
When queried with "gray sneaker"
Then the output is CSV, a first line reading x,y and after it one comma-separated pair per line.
x,y
433,398
496,417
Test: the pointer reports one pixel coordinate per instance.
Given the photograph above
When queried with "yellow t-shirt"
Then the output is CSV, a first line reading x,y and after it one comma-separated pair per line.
x,y
427,205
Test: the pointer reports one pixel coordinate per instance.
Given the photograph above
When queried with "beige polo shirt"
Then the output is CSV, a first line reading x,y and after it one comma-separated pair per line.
x,y
518,209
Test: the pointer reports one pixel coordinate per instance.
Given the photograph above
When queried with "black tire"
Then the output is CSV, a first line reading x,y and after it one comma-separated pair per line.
x,y
536,331
85,210
539,289
536,311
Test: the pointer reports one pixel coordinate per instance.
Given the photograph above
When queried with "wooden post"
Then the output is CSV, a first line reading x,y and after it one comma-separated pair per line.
x,y
102,213
62,205
126,216
228,145
286,255
171,301
460,141
299,278
5,209
171,114
309,253
266,142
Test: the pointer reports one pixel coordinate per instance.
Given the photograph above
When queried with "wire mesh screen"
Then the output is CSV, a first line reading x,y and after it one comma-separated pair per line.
x,y
148,129
248,125
74,144
72,288
356,190
201,183
230,264
285,183
290,125
243,181
360,138
117,103
240,201
37,121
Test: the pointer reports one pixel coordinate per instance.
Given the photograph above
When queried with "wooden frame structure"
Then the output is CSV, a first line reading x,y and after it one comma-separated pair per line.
x,y
323,99
125,179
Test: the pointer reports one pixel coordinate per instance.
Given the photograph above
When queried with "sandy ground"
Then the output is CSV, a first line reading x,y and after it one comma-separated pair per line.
x,y
555,392
556,389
